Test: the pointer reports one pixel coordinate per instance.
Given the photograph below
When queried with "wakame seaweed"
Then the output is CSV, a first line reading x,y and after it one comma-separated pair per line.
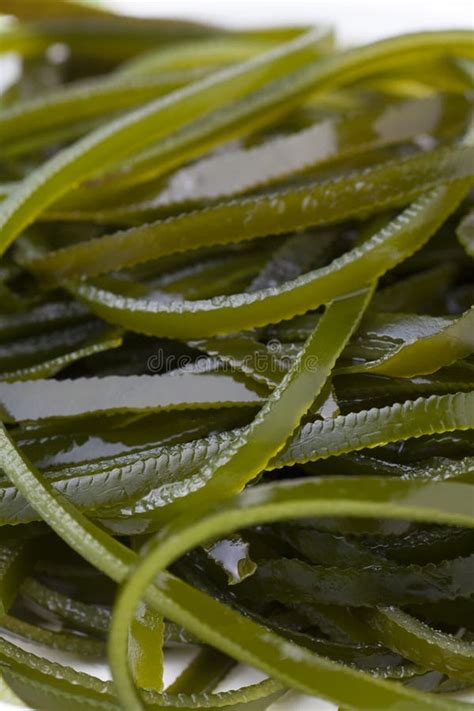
x,y
236,363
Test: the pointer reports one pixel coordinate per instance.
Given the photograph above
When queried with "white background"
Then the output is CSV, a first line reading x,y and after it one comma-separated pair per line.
x,y
356,21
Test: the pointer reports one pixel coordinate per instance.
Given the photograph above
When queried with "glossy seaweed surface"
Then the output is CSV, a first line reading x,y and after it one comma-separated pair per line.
x,y
236,363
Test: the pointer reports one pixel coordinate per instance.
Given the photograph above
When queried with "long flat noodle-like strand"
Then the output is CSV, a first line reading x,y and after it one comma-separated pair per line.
x,y
91,619
225,49
410,419
416,641
184,319
120,38
104,552
179,601
250,453
137,129
314,441
51,366
158,475
23,352
84,646
427,353
292,579
252,112
232,120
86,100
398,340
298,501
85,396
321,202
325,141
369,388
41,318
120,138
29,10
57,686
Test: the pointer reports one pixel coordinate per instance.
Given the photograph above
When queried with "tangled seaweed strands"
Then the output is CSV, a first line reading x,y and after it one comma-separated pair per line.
x,y
245,426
